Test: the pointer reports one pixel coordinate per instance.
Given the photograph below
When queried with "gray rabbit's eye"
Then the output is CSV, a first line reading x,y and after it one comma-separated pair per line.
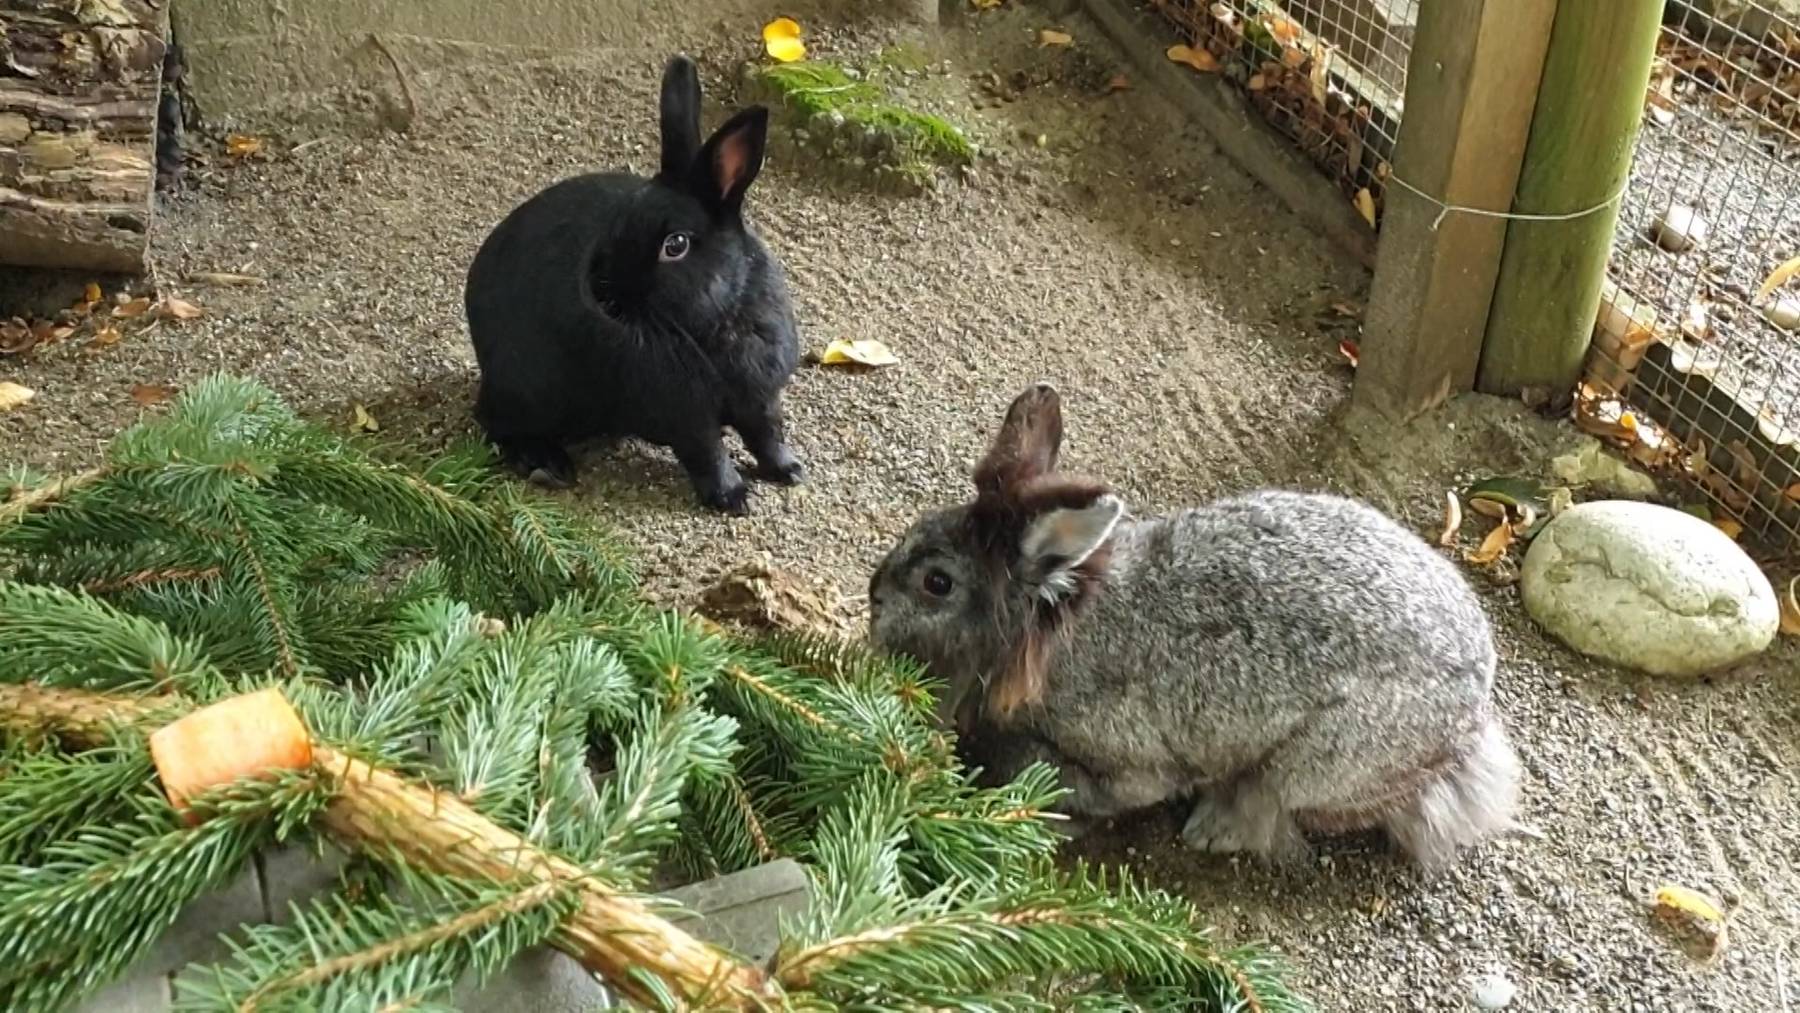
x,y
937,583
675,246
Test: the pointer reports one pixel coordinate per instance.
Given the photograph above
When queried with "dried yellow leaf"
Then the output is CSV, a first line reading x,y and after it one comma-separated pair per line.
x,y
1285,30
92,292
1365,205
1452,518
1494,545
781,39
361,420
134,308
857,352
243,145
1199,59
1731,527
1778,278
148,394
1696,919
180,309
13,395
1052,37
105,336
1790,609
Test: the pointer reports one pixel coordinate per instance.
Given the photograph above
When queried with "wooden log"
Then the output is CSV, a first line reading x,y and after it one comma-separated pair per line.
x,y
79,86
1469,98
1583,135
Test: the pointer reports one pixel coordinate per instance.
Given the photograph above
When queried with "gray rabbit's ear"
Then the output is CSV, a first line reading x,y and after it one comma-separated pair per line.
x,y
1057,542
1027,444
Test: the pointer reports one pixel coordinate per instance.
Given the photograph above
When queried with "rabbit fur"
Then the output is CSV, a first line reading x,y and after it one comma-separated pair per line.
x,y
1286,661
613,305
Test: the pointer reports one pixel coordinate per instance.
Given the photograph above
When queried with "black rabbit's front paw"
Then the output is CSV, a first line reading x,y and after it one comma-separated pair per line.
x,y
784,469
540,462
731,499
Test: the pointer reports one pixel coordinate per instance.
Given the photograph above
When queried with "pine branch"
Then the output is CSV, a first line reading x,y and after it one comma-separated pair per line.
x,y
62,638
97,900
45,797
379,952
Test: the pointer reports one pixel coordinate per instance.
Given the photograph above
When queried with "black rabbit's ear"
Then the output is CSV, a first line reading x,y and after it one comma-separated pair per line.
x,y
730,159
1027,444
680,117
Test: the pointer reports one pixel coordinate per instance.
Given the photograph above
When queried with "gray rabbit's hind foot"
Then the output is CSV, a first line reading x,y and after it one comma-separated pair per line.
x,y
1472,799
1245,818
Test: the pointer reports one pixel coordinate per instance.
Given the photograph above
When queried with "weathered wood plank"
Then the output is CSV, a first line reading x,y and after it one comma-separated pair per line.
x,y
1471,86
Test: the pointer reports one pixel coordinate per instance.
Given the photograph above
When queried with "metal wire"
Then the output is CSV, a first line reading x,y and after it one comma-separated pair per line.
x,y
1692,350
1707,360
1329,74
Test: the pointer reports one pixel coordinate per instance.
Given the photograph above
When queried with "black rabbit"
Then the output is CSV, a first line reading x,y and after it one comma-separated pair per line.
x,y
614,305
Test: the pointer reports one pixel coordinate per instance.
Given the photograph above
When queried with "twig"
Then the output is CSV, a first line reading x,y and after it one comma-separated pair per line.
x,y
24,503
1781,988
224,278
412,107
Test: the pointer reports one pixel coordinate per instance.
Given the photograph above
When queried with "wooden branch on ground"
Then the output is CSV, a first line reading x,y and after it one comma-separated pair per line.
x,y
614,935
79,84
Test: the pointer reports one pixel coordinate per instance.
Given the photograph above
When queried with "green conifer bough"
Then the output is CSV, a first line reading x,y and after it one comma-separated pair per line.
x,y
432,621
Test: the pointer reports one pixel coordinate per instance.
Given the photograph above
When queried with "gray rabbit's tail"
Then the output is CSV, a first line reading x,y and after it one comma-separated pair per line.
x,y
1468,800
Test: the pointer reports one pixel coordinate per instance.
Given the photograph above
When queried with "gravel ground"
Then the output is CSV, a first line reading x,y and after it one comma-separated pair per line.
x,y
1187,319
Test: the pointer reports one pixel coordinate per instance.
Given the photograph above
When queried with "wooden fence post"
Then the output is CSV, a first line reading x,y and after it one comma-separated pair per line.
x,y
1470,88
1583,136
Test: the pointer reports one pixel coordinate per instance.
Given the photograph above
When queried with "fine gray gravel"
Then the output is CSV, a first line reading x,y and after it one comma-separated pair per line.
x,y
1187,318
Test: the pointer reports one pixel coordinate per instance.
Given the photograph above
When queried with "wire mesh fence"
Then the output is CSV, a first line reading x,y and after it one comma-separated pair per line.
x,y
1698,335
1329,74
1695,367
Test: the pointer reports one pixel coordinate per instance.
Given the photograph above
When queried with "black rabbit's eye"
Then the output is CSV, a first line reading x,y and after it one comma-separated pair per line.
x,y
937,583
675,246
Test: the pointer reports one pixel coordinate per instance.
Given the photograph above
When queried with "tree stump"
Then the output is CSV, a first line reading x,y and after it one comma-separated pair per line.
x,y
79,86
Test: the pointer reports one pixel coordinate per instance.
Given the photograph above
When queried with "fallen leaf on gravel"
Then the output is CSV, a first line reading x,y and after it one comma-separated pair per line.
x,y
1693,916
179,309
243,145
1257,82
1790,609
781,39
1052,37
148,394
1199,59
1365,205
134,308
1344,309
16,336
857,352
985,5
1778,278
1118,82
92,292
105,336
1452,518
1351,353
13,395
1732,528
1494,545
361,420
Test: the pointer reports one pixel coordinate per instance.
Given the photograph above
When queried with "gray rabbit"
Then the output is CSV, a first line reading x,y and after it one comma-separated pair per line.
x,y
1289,662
